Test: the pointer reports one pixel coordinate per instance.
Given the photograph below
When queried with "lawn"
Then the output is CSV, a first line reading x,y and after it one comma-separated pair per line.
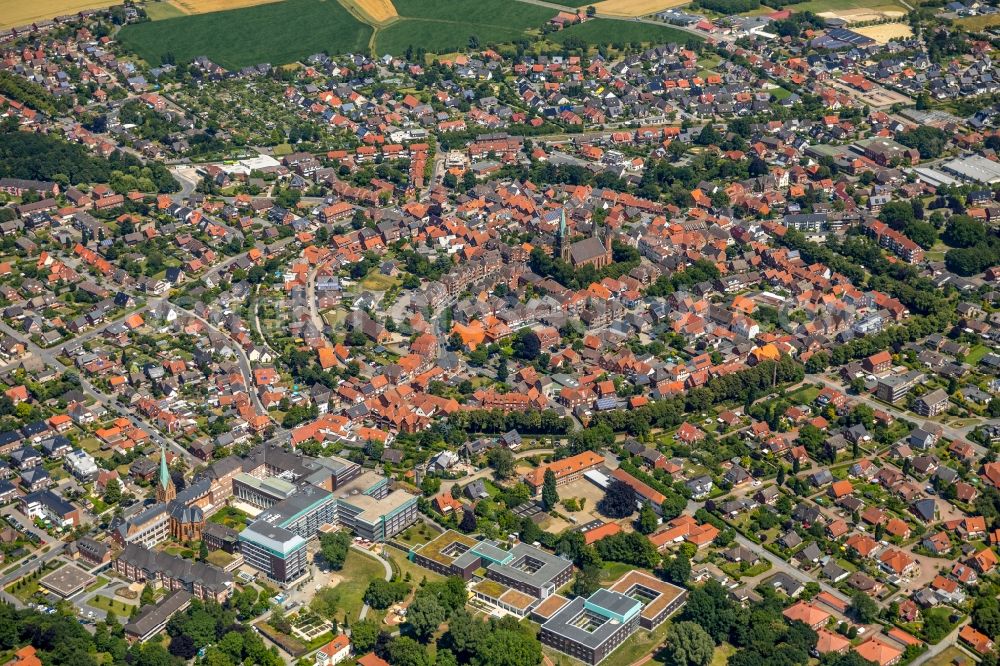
x,y
97,584
276,33
445,26
610,31
736,571
781,93
230,517
90,444
640,644
109,605
948,657
219,558
805,395
417,572
722,654
376,281
612,571
358,571
416,534
976,354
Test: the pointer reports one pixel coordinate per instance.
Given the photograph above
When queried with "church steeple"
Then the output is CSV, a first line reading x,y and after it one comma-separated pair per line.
x,y
165,490
562,237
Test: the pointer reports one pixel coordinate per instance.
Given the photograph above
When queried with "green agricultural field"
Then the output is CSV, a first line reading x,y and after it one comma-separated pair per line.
x,y
610,31
817,6
438,37
161,10
481,12
276,33
284,32
444,26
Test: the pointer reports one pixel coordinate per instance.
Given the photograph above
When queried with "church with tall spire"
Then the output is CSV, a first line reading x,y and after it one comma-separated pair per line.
x,y
594,251
165,490
562,240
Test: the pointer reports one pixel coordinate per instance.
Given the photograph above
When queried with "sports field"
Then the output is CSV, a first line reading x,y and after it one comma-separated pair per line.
x,y
632,8
609,31
275,33
16,13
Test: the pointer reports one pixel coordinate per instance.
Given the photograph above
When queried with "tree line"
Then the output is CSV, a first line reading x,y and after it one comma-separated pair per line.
x,y
46,157
743,387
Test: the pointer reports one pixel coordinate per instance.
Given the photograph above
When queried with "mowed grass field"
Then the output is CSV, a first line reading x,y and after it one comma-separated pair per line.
x,y
276,33
16,13
599,32
443,26
977,23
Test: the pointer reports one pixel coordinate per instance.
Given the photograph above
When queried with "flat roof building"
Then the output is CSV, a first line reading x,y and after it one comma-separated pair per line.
x,y
591,629
659,599
304,495
261,493
303,512
378,519
526,568
523,567
151,620
975,168
277,552
67,580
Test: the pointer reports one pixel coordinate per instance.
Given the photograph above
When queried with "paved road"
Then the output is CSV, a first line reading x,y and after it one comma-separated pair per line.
x,y
945,643
388,574
446,484
778,564
949,431
311,298
188,178
48,356
256,321
26,568
245,368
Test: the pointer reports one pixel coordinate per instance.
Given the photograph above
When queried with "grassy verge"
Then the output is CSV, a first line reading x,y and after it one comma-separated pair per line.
x,y
109,605
97,584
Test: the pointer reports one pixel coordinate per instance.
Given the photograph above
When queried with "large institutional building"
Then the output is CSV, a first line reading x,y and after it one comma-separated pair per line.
x,y
297,495
522,580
